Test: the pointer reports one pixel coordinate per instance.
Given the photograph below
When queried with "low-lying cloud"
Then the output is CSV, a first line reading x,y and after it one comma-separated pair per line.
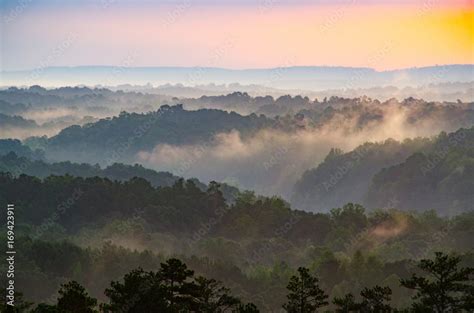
x,y
271,161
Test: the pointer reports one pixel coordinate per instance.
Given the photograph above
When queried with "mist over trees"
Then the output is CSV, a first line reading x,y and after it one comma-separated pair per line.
x,y
86,228
268,152
138,200
414,174
175,288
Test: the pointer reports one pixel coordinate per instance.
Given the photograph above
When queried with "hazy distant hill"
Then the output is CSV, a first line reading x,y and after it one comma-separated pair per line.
x,y
95,100
122,136
416,174
310,77
17,165
266,154
342,176
21,165
68,103
16,146
7,121
439,179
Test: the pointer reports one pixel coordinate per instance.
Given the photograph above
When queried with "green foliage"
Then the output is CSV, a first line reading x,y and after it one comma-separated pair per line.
x,y
445,288
140,292
211,297
418,173
11,162
73,298
247,308
305,294
374,300
438,178
143,131
172,289
46,308
346,304
252,245
346,177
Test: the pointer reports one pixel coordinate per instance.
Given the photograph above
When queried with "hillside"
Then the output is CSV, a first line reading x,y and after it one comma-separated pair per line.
x,y
344,177
77,228
440,179
120,138
413,174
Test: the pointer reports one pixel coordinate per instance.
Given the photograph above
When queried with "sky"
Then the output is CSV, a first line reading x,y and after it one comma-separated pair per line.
x,y
383,35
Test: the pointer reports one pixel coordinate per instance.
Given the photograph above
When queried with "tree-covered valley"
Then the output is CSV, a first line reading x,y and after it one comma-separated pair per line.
x,y
298,205
237,156
94,231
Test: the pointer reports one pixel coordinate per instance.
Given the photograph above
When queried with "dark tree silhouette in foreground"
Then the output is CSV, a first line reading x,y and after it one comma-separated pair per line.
x,y
46,308
305,295
247,308
212,297
73,298
445,288
374,300
170,290
346,304
139,291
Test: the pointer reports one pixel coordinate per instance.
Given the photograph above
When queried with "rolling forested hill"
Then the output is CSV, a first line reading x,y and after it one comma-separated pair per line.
x,y
125,135
95,230
440,179
413,174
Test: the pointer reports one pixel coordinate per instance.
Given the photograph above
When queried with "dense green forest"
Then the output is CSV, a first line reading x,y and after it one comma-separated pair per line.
x,y
166,125
16,121
17,165
20,149
386,226
101,136
123,136
416,174
237,156
440,285
17,101
95,230
445,184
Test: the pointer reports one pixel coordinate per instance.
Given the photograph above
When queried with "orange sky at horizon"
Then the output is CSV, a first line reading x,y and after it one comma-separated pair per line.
x,y
382,37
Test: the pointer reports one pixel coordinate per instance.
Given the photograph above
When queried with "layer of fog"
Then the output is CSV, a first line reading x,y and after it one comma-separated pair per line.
x,y
23,133
432,92
47,122
271,161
